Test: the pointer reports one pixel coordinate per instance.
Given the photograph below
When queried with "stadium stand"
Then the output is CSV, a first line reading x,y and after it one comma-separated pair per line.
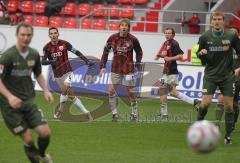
x,y
97,14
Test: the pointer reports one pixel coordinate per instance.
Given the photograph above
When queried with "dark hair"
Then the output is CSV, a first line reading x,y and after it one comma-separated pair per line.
x,y
25,25
52,28
173,31
125,20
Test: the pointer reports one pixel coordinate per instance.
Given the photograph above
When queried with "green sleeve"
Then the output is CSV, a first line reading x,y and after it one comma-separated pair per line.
x,y
5,65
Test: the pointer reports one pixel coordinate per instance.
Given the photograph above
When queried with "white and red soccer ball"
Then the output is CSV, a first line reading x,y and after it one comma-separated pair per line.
x,y
203,136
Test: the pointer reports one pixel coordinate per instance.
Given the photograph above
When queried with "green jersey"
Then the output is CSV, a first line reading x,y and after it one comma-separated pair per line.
x,y
219,58
16,71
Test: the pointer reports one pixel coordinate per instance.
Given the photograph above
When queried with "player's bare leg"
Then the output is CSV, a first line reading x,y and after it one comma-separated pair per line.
x,y
29,147
113,101
133,102
203,109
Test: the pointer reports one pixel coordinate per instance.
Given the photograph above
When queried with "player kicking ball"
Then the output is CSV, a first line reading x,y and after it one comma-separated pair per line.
x,y
56,54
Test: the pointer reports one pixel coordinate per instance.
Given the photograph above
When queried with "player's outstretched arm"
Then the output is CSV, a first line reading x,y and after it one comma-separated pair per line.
x,y
41,81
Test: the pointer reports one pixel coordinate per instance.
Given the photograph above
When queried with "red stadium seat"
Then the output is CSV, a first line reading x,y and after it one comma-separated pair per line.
x,y
55,21
114,12
84,9
99,24
12,5
140,1
29,19
40,6
114,26
127,11
98,10
41,21
86,23
70,9
124,1
27,6
70,23
151,27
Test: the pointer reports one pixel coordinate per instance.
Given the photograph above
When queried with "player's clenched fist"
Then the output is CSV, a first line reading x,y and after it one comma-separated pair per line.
x,y
203,52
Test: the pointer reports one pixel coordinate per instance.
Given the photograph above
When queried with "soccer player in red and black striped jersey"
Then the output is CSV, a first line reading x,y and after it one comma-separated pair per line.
x,y
122,70
170,52
56,54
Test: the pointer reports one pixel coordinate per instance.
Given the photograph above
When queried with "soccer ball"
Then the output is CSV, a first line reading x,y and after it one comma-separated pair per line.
x,y
203,136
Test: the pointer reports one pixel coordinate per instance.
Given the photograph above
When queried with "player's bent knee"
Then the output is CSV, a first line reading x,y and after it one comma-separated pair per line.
x,y
43,130
173,93
27,137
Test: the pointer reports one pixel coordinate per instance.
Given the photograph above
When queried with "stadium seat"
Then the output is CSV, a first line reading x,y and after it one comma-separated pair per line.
x,y
151,27
27,6
140,1
70,23
86,23
41,21
29,19
99,24
127,11
84,9
98,11
70,9
55,21
139,27
114,26
113,12
12,5
40,6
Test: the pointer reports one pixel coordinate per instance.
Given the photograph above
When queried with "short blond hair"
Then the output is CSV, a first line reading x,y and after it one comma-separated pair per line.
x,y
218,13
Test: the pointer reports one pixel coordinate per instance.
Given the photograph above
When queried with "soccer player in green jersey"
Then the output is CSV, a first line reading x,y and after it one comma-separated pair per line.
x,y
19,111
216,52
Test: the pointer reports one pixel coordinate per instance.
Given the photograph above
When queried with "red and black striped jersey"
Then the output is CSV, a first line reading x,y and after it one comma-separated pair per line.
x,y
170,48
122,47
58,52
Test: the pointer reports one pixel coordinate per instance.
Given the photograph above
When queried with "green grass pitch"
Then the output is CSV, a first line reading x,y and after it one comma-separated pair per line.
x,y
101,141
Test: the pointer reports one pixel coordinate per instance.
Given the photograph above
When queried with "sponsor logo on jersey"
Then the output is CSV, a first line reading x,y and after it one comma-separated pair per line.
x,y
16,63
209,42
1,68
57,54
226,42
31,62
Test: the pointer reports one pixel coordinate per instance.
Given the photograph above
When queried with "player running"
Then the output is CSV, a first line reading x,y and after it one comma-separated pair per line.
x,y
56,54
